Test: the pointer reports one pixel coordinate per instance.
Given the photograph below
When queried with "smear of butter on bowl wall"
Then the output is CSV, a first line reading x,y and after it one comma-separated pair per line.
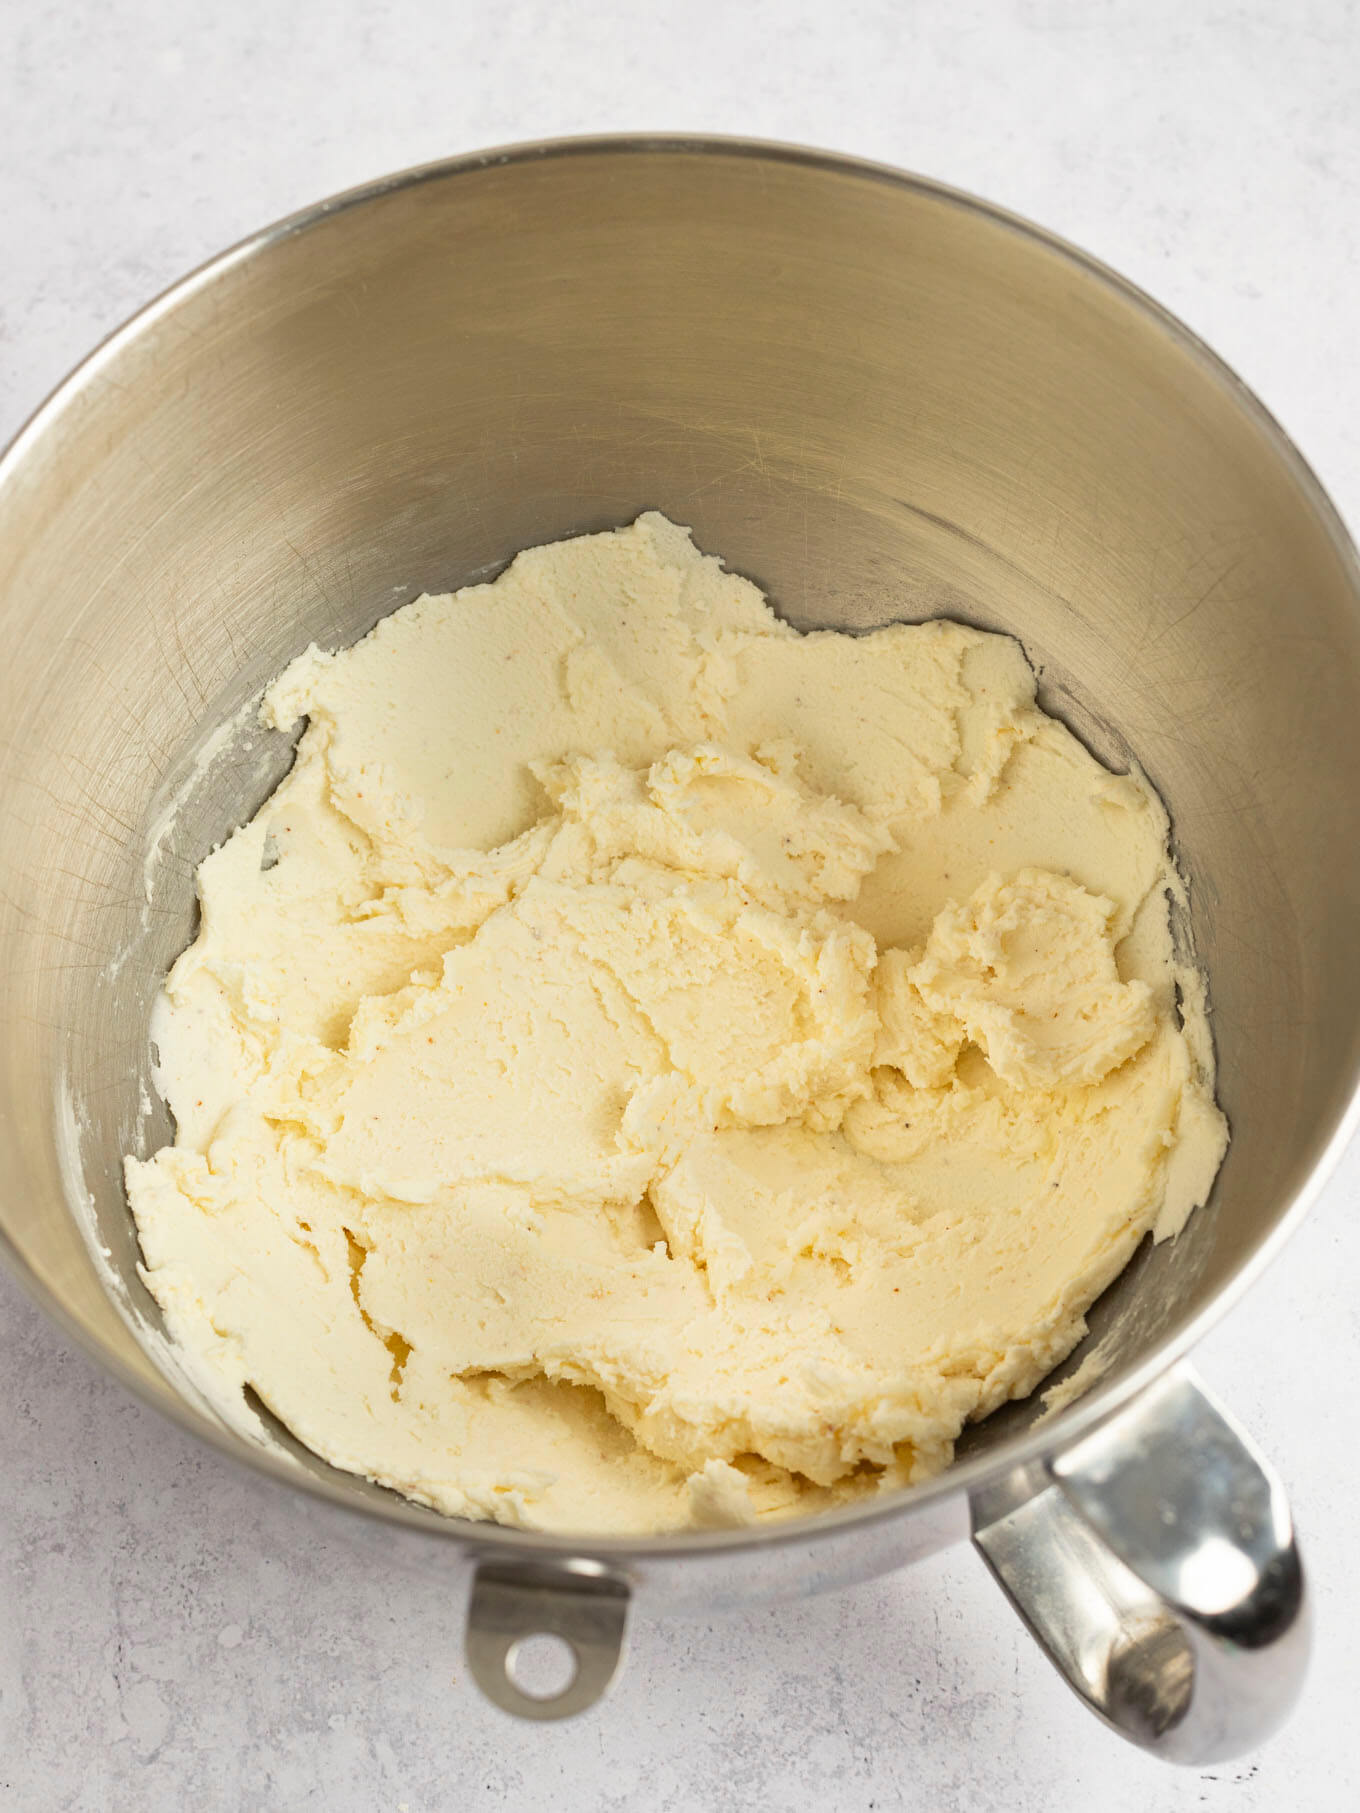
x,y
645,1066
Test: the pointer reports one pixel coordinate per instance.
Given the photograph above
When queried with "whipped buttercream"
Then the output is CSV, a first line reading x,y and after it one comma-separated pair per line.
x,y
645,1066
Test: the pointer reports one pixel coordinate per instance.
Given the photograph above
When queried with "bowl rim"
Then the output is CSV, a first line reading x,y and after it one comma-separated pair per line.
x,y
1048,1437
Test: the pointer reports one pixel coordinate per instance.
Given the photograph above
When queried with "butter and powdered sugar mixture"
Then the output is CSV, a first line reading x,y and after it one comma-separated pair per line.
x,y
645,1066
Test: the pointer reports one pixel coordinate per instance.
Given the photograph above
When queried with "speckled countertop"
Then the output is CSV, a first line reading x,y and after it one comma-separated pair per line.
x,y
168,1640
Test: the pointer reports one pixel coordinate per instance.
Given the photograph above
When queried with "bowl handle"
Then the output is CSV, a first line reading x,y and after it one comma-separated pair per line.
x,y
579,1603
1155,1562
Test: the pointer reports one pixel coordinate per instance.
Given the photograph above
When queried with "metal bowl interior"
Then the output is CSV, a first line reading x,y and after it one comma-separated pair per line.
x,y
879,399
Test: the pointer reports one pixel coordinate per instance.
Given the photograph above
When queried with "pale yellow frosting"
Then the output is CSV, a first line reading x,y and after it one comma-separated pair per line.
x,y
644,1066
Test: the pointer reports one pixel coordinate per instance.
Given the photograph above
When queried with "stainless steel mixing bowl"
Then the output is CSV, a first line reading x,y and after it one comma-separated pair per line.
x,y
881,400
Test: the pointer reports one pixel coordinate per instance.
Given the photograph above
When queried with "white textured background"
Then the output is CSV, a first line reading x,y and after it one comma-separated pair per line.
x,y
166,1642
